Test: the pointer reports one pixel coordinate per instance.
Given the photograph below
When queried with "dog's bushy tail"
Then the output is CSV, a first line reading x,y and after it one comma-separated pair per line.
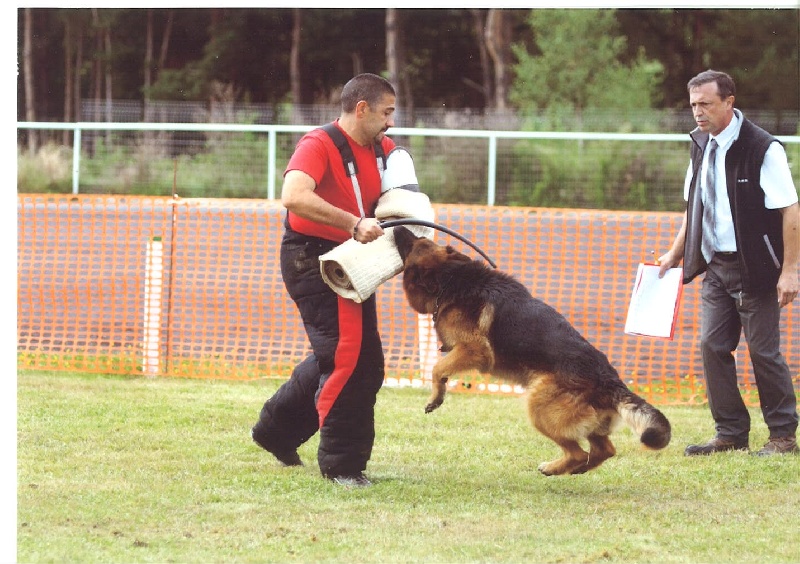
x,y
653,428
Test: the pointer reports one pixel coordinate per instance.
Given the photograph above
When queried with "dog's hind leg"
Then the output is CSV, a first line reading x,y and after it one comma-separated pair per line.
x,y
574,459
600,449
563,418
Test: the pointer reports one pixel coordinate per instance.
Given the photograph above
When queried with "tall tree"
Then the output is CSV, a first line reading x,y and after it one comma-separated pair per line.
x,y
498,45
676,38
97,74
392,60
69,74
295,76
78,68
485,86
767,72
436,51
148,66
109,92
152,67
30,96
397,67
578,64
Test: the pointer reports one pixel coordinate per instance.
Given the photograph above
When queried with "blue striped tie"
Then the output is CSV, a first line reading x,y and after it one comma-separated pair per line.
x,y
709,203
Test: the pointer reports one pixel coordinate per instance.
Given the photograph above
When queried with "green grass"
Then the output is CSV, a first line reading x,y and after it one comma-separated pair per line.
x,y
115,469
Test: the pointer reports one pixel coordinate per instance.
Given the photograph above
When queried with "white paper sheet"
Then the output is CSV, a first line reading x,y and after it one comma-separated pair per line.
x,y
654,302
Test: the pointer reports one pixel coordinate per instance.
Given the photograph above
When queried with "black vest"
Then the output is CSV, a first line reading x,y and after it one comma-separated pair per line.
x,y
759,231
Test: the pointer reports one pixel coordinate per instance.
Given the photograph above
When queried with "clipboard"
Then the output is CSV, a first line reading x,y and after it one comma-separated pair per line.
x,y
653,309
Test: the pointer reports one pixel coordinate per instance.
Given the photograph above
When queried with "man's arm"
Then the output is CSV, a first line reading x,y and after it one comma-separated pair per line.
x,y
674,255
788,283
298,196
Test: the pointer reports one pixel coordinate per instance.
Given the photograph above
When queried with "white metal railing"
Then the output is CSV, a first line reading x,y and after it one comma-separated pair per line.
x,y
272,130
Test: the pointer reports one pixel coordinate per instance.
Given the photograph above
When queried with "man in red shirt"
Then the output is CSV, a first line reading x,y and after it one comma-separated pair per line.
x,y
334,389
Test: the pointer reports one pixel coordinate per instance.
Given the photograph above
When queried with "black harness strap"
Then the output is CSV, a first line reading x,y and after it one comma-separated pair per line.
x,y
348,159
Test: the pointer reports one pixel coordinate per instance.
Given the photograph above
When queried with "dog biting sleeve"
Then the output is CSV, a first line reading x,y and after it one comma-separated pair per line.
x,y
355,270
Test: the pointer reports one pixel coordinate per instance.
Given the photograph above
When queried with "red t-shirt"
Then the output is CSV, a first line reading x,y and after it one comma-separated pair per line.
x,y
317,155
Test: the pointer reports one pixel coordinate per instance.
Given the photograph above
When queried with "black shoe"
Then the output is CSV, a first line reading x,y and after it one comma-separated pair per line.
x,y
351,480
717,444
286,458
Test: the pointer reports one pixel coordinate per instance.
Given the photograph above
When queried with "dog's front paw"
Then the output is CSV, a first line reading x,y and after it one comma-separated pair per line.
x,y
432,406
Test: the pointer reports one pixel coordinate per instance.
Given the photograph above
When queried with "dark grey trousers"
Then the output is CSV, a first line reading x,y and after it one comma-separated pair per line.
x,y
725,312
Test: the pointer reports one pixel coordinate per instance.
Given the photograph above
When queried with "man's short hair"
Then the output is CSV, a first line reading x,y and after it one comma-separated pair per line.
x,y
368,87
725,85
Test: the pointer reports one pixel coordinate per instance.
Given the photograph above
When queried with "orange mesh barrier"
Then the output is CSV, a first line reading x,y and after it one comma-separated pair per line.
x,y
192,288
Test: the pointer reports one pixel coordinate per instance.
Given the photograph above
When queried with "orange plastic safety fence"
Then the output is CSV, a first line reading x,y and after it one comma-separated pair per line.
x,y
192,288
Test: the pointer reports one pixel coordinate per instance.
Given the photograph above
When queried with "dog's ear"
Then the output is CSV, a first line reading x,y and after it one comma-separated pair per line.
x,y
454,255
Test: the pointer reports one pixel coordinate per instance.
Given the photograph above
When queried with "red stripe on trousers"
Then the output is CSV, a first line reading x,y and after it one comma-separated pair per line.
x,y
345,358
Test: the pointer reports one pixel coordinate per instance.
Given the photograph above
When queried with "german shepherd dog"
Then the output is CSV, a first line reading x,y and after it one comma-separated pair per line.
x,y
487,320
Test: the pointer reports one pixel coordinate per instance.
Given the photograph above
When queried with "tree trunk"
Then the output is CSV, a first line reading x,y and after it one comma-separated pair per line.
x,y
392,55
148,65
162,56
78,65
69,60
396,65
294,65
392,64
27,54
109,89
165,39
479,25
497,44
358,62
96,68
698,41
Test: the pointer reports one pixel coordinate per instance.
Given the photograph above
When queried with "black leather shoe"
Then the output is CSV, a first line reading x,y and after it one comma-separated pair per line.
x,y
717,444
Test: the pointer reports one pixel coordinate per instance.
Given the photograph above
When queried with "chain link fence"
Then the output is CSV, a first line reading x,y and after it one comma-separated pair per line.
x,y
514,163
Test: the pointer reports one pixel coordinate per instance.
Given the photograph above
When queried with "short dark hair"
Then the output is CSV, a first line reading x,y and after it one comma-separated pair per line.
x,y
368,87
725,85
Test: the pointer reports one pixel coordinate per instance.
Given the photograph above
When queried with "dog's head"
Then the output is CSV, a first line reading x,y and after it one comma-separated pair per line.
x,y
425,263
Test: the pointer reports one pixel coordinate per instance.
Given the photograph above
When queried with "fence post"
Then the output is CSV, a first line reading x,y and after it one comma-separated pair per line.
x,y
272,149
76,159
153,286
490,182
428,346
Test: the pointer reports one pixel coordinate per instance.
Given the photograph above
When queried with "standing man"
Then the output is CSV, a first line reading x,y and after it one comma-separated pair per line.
x,y
741,228
333,390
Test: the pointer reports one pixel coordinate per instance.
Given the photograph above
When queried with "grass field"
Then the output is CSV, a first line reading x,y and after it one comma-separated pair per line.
x,y
163,470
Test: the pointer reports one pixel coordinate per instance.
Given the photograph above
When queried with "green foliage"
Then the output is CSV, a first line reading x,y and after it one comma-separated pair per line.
x,y
766,69
222,165
577,65
249,48
595,174
187,83
48,171
571,174
453,170
117,469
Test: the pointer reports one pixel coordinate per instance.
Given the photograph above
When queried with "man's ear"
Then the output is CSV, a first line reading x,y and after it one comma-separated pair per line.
x,y
361,108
